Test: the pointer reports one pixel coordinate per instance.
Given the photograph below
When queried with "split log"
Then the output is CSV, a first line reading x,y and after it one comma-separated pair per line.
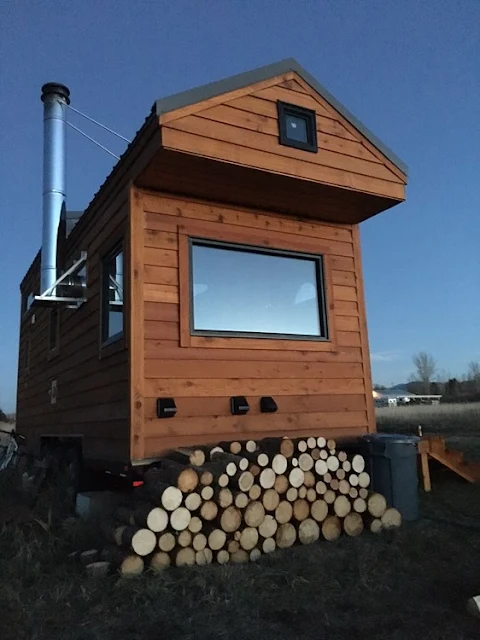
x,y
241,500
292,494
231,520
284,512
321,467
140,541
249,538
329,496
311,495
255,554
391,519
301,446
296,477
285,536
376,505
270,501
363,493
179,519
239,557
342,506
185,557
183,477
255,492
334,484
301,510
321,442
268,527
319,510
331,528
311,443
208,553
254,514
279,464
353,493
344,487
188,456
224,498
195,525
217,539
281,484
302,492
363,480
243,480
267,478
233,546
287,447
308,531
194,500
184,538
358,463
347,466
321,488
207,493
359,505
223,556
332,463
209,510
160,561
309,479
269,545
199,542
353,524
166,542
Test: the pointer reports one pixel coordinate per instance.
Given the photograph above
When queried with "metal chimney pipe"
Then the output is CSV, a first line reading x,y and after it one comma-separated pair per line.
x,y
54,97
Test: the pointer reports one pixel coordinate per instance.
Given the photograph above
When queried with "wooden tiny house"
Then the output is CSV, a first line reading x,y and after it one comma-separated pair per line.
x,y
223,261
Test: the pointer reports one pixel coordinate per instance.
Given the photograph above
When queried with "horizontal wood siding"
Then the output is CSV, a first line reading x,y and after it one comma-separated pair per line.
x,y
244,130
93,385
317,391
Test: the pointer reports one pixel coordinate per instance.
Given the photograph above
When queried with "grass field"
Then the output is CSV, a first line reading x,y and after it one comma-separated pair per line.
x,y
411,585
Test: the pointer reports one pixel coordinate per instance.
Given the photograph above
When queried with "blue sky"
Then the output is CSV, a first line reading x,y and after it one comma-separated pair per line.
x,y
409,70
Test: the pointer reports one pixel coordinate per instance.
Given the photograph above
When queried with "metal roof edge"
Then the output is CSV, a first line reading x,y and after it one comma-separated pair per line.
x,y
238,81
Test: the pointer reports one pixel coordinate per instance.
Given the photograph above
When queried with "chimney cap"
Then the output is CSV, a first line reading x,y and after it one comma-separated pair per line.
x,y
55,88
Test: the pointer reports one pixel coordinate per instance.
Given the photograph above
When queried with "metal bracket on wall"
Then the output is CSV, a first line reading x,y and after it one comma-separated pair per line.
x,y
69,289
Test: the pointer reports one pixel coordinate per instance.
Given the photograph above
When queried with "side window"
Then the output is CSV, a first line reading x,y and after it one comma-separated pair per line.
x,y
27,300
112,296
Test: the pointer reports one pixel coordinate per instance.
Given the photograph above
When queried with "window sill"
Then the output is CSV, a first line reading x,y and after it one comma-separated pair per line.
x,y
216,342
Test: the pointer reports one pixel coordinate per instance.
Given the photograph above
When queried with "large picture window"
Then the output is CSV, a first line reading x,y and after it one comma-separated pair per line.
x,y
248,291
112,296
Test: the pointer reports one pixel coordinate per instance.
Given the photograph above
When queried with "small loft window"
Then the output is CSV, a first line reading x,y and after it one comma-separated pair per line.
x,y
297,127
112,296
54,330
246,291
27,300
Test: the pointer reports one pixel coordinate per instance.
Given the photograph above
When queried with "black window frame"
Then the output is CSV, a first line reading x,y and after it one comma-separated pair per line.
x,y
104,322
54,331
286,109
319,262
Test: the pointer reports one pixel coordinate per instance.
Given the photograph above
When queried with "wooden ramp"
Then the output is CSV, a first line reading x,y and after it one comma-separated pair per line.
x,y
435,447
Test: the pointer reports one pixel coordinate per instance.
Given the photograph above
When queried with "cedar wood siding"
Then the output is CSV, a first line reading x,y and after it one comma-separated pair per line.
x,y
93,387
320,388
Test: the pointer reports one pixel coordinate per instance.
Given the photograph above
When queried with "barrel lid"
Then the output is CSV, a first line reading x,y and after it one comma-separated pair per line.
x,y
392,438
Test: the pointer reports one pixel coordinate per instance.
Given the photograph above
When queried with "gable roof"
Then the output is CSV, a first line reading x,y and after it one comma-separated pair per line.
x,y
213,89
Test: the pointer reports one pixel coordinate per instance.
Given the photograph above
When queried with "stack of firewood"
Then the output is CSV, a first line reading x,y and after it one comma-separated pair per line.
x,y
238,500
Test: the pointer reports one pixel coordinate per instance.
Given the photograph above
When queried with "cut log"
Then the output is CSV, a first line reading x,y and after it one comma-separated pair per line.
x,y
323,454
391,519
207,493
340,474
321,488
171,498
216,449
255,492
296,477
155,519
285,536
254,470
217,539
254,514
217,471
184,538
255,554
249,538
160,561
321,442
315,453
292,494
223,480
267,478
359,505
284,512
140,541
332,463
311,443
224,498
334,484
353,524
363,480
305,462
287,447
269,545
302,492
208,553
127,563
238,462
223,556
301,446
358,463
329,496
199,542
243,480
301,510
331,528
98,569
311,495
257,458
209,510
240,557
308,531
179,519
319,510
281,484
166,542
183,477
270,501
363,493
309,479
250,446
185,557
294,462
231,519
194,500
344,487
205,476
188,456
200,558
331,444
268,527
353,493
235,447
342,506
241,500
195,525
279,464
342,456
321,467
374,525
347,466
353,480
376,505
233,546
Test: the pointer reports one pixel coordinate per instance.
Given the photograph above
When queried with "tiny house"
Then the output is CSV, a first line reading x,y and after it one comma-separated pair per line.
x,y
212,290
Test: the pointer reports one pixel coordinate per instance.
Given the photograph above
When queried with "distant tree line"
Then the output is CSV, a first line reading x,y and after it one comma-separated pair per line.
x,y
428,379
